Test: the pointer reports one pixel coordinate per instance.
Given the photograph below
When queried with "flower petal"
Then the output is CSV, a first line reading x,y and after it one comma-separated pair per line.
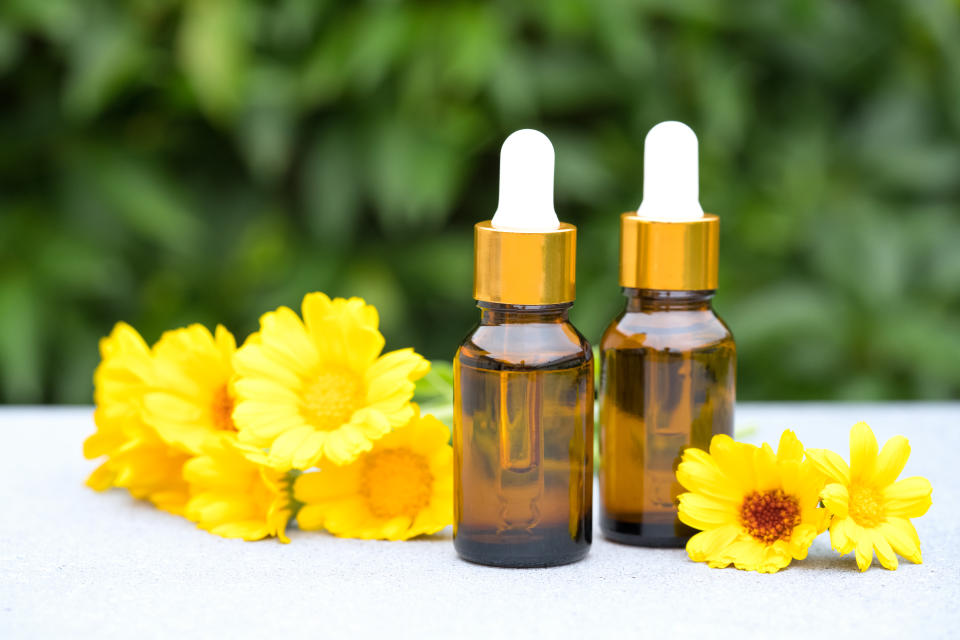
x,y
703,512
863,452
908,498
317,306
775,557
249,530
332,483
266,389
205,470
424,436
864,549
766,472
343,445
735,460
286,446
101,479
790,448
836,498
698,472
396,365
708,546
843,535
343,341
286,342
888,559
306,454
226,343
902,536
746,553
430,521
255,360
311,517
801,539
397,528
830,464
259,423
373,424
349,518
892,459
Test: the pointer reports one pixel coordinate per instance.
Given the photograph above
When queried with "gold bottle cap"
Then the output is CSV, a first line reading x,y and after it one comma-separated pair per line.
x,y
670,256
524,267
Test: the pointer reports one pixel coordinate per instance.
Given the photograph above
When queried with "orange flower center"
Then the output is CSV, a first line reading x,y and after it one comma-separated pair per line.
x,y
866,506
770,516
396,482
332,398
222,409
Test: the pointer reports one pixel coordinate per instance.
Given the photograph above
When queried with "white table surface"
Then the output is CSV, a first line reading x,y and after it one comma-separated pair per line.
x,y
75,563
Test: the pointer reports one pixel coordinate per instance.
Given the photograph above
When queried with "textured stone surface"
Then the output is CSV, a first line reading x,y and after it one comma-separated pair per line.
x,y
76,563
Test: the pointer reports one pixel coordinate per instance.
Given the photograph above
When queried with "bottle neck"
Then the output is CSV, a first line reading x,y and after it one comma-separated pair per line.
x,y
494,313
646,300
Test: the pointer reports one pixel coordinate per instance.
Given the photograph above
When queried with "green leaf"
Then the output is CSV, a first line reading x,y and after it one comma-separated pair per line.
x,y
330,182
10,48
437,384
105,58
415,172
213,51
434,392
267,122
21,340
142,197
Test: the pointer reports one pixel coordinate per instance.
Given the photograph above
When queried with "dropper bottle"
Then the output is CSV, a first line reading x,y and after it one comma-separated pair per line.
x,y
523,381
668,361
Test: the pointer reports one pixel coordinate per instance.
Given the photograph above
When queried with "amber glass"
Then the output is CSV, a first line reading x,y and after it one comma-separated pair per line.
x,y
667,383
523,438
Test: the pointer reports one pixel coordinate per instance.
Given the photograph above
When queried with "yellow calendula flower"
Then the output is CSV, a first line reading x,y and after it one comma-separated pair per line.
x,y
137,459
318,389
234,497
871,509
190,399
756,510
401,488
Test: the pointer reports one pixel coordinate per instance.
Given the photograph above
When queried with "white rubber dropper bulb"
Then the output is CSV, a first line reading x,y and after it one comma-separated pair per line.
x,y
671,177
526,183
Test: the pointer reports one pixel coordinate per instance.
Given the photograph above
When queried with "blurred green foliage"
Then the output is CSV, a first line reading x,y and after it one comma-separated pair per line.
x,y
173,161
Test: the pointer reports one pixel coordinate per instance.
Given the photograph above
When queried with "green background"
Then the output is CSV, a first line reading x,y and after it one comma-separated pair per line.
x,y
166,162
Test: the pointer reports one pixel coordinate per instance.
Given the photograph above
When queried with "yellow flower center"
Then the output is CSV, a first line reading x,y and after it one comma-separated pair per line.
x,y
332,398
770,516
396,482
222,409
866,506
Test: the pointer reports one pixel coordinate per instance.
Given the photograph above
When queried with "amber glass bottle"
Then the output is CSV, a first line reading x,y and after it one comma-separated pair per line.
x,y
523,441
523,381
668,370
668,375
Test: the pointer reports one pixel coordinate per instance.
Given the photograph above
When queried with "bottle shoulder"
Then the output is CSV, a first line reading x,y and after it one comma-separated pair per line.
x,y
680,330
525,346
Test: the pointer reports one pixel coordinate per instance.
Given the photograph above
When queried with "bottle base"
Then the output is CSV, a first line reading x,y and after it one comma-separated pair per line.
x,y
511,560
514,562
519,552
647,531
